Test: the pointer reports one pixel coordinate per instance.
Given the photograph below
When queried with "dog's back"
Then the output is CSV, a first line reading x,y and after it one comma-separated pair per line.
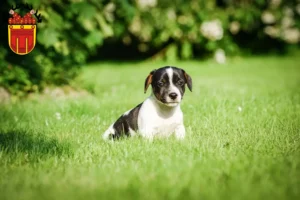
x,y
127,124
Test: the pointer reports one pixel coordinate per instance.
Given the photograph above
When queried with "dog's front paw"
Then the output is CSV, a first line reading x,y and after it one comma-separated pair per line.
x,y
180,132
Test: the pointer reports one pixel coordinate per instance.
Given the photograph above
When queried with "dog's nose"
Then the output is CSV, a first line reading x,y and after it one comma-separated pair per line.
x,y
173,95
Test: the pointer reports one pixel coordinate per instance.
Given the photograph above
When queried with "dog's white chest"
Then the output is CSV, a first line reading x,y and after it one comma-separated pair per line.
x,y
153,121
165,127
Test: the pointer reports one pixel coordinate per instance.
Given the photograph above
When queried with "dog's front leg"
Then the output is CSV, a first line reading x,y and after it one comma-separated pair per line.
x,y
147,133
180,132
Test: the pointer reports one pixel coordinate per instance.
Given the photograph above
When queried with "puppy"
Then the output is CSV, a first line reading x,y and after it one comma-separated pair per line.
x,y
160,113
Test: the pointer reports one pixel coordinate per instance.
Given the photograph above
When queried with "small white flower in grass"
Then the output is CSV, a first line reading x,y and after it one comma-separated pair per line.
x,y
58,116
220,56
240,109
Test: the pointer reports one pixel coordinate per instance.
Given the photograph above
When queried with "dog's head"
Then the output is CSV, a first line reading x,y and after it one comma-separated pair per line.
x,y
168,84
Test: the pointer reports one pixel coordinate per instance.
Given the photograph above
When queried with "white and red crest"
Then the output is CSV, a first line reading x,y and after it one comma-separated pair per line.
x,y
22,30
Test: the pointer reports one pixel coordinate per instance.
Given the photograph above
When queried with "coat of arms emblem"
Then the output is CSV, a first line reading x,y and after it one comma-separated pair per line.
x,y
22,30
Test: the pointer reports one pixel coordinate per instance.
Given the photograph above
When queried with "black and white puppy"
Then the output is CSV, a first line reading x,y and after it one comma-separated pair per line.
x,y
160,113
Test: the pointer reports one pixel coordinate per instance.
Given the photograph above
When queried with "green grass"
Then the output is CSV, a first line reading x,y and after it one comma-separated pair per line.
x,y
227,154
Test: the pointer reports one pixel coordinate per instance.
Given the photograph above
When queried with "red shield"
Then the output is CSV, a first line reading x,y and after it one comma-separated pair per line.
x,y
21,38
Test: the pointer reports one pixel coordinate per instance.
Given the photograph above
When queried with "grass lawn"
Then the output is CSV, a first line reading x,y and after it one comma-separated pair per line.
x,y
243,137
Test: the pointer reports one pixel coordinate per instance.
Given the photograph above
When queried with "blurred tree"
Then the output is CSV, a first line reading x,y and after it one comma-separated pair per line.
x,y
73,31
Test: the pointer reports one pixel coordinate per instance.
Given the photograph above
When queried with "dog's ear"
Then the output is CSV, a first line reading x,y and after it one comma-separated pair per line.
x,y
188,80
148,80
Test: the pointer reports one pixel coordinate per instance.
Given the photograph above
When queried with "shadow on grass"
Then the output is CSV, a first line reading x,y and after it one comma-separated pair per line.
x,y
35,145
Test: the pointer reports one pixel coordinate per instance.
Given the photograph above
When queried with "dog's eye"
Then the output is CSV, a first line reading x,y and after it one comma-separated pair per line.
x,y
160,84
180,82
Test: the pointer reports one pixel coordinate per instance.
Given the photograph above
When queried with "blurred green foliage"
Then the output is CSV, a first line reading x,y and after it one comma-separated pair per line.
x,y
74,30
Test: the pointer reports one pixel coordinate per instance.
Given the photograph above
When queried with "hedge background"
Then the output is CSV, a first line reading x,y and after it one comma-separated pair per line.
x,y
74,32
